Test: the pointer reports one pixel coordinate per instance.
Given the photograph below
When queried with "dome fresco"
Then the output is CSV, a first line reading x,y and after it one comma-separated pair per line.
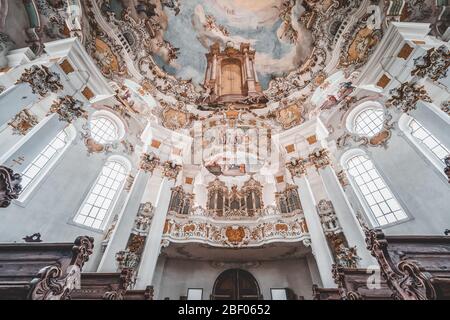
x,y
224,150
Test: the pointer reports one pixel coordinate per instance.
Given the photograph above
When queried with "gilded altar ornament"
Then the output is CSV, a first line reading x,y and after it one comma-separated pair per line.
x,y
56,282
41,80
297,167
171,170
23,122
434,64
406,96
10,187
320,158
149,162
68,109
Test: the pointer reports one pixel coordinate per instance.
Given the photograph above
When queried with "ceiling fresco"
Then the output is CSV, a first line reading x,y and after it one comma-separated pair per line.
x,y
280,47
304,54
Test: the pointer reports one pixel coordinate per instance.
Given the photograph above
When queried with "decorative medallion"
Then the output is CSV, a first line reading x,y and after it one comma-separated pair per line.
x,y
290,114
175,118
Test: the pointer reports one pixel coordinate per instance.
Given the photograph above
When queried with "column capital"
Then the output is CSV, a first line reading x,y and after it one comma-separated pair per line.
x,y
320,158
41,80
297,167
149,162
171,170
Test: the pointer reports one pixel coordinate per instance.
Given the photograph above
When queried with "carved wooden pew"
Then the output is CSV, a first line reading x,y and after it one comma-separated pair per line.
x,y
42,271
325,293
146,294
360,284
102,286
109,286
10,187
415,267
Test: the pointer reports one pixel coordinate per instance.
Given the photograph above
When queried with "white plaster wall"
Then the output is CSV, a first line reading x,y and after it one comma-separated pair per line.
x,y
179,275
51,207
421,189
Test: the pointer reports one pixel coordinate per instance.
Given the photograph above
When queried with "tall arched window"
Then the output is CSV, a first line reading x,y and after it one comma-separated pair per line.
x,y
426,142
45,160
373,192
97,207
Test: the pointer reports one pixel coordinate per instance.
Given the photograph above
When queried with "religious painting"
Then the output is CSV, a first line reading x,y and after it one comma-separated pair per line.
x,y
290,116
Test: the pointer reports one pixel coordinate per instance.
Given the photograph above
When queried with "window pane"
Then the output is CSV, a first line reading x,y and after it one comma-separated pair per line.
x,y
423,136
44,158
383,205
103,130
369,122
94,212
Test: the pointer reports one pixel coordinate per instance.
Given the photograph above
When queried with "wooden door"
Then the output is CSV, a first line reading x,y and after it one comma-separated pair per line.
x,y
236,284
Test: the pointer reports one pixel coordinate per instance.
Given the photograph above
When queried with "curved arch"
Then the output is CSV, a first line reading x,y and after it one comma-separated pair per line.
x,y
105,135
236,284
358,110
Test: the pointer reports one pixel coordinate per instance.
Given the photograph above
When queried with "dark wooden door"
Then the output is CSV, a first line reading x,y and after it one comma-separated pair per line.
x,y
236,284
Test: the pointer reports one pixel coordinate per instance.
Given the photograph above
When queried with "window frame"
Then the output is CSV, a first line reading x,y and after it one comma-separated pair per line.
x,y
105,222
370,215
50,165
350,122
404,125
116,121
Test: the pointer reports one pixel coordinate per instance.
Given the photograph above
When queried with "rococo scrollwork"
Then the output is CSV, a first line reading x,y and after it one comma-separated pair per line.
x,y
54,282
10,187
41,80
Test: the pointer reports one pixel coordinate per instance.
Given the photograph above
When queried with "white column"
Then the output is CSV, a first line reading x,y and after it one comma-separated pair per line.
x,y
319,245
346,215
153,243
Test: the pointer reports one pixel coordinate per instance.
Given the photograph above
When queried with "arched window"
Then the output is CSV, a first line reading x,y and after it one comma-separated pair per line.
x,y
426,142
367,119
104,130
45,160
106,127
369,122
98,204
376,196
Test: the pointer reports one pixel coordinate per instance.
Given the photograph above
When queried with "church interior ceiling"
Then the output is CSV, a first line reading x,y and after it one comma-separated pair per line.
x,y
298,59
